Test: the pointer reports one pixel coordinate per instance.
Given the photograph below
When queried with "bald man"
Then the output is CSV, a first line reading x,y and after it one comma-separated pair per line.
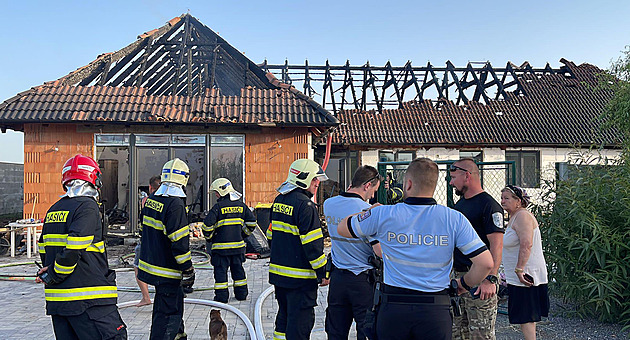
x,y
479,312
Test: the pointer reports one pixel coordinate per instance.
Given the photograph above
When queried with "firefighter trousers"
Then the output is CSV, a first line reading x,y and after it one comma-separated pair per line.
x,y
168,312
97,322
296,313
221,263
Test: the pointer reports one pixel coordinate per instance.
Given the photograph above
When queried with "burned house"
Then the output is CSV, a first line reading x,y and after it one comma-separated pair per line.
x,y
177,91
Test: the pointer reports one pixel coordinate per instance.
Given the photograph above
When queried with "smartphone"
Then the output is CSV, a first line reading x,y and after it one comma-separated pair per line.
x,y
472,291
528,278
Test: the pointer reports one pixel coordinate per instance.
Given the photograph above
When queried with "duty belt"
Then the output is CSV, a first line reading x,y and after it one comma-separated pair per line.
x,y
441,300
397,295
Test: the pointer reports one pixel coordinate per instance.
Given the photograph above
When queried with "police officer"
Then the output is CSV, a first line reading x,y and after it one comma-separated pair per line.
x,y
297,251
165,259
80,288
417,238
226,225
351,290
486,216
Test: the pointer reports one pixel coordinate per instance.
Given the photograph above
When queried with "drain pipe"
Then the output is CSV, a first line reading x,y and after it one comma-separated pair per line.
x,y
328,147
260,334
241,315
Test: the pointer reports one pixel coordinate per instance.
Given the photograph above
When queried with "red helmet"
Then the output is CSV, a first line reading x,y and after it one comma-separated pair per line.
x,y
81,167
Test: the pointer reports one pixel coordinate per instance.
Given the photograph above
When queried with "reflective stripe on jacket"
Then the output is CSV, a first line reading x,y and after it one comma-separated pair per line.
x,y
72,246
297,249
166,238
227,224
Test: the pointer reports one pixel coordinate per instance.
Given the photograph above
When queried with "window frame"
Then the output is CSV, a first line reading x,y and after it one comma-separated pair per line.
x,y
517,156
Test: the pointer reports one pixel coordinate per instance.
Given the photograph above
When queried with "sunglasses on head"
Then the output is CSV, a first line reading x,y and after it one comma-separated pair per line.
x,y
377,176
516,190
454,167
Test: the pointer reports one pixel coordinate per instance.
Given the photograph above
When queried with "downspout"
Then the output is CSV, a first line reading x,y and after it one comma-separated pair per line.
x,y
328,147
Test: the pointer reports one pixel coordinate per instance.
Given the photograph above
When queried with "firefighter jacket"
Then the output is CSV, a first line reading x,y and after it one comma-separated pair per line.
x,y
72,246
227,224
165,241
297,247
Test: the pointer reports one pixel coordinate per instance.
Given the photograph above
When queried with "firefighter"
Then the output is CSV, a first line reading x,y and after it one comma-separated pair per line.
x,y
227,224
393,190
165,260
80,289
297,251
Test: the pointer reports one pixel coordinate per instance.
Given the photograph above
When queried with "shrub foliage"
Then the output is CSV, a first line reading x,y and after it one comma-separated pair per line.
x,y
586,232
585,219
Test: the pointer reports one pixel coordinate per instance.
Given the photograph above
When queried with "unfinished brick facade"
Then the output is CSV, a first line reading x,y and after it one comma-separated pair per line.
x,y
268,156
46,148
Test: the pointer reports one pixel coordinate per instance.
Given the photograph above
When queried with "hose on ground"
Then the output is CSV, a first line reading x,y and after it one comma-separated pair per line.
x,y
260,334
241,315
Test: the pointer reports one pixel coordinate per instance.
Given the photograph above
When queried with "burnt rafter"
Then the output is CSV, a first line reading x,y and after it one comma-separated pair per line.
x,y
183,58
367,84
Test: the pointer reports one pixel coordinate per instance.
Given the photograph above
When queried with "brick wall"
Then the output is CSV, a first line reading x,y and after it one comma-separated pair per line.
x,y
11,192
46,148
268,156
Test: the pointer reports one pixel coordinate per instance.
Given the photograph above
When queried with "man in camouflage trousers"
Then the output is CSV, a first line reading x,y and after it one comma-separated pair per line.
x,y
479,311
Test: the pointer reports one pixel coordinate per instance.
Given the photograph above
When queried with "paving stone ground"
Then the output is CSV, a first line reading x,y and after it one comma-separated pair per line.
x,y
22,313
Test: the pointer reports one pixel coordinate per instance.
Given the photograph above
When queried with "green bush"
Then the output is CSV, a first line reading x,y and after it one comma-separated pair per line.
x,y
585,221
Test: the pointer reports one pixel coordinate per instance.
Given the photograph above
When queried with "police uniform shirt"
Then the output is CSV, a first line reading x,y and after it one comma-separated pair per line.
x,y
417,239
347,253
486,216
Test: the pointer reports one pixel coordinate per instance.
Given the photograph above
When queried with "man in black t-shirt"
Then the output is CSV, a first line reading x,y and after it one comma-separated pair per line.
x,y
486,216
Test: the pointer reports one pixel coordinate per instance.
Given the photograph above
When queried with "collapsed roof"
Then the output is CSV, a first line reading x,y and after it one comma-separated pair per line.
x,y
182,72
554,110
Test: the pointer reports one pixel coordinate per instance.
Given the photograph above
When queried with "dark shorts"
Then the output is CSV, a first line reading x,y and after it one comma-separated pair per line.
x,y
527,304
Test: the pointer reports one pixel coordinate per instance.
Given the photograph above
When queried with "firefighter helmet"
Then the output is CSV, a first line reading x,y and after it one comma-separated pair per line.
x,y
175,171
81,167
301,174
394,195
223,186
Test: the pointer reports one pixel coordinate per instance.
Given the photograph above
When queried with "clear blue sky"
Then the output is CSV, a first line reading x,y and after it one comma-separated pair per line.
x,y
45,40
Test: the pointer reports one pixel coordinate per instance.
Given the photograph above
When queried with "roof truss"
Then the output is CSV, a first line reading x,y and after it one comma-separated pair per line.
x,y
381,87
184,58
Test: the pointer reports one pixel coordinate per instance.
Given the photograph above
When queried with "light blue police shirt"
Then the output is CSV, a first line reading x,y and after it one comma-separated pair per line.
x,y
417,239
347,253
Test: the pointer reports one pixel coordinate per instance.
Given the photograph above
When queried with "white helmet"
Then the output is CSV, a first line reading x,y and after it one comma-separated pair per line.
x,y
223,186
175,171
301,174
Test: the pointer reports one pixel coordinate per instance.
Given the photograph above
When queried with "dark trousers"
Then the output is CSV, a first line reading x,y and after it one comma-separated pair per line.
x,y
221,263
402,321
168,312
349,297
98,322
296,314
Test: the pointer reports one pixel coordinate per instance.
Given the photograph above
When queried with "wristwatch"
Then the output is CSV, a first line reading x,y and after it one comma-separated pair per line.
x,y
492,278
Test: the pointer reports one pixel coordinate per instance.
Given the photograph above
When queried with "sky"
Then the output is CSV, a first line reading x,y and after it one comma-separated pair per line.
x,y
45,40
